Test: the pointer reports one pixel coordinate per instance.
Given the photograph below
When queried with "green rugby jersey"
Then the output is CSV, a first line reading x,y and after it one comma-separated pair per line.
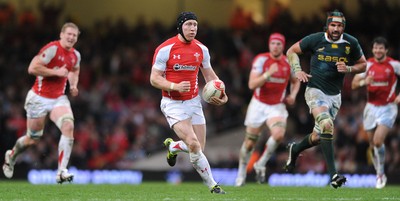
x,y
325,54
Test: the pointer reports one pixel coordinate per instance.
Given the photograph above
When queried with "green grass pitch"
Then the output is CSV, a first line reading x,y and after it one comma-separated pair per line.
x,y
161,191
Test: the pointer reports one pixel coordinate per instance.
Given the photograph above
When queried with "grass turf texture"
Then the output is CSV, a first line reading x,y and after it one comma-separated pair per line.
x,y
148,191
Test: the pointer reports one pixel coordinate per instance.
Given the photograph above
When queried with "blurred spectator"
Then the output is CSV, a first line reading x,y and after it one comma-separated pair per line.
x,y
51,12
240,19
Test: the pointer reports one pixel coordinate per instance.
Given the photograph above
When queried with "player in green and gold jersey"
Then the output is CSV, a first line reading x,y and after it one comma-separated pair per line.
x,y
334,53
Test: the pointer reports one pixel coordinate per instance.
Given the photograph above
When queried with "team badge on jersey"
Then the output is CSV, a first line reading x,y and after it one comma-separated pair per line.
x,y
347,51
197,55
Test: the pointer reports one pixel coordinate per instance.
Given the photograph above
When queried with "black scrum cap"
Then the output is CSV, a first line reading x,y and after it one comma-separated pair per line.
x,y
182,18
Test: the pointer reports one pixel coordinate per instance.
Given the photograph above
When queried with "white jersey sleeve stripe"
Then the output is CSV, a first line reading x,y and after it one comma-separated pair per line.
x,y
78,56
364,74
162,57
48,54
396,66
206,56
258,64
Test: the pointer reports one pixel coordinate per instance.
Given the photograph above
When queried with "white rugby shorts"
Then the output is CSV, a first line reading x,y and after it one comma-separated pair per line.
x,y
37,106
178,110
379,115
258,112
317,98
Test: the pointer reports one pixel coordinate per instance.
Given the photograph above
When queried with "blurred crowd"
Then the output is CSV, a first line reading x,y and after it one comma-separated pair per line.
x,y
117,115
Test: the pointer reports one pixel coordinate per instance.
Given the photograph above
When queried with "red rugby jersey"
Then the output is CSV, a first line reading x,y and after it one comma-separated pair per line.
x,y
53,55
274,89
181,62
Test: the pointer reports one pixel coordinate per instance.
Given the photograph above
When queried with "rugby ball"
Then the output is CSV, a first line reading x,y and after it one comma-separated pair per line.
x,y
213,88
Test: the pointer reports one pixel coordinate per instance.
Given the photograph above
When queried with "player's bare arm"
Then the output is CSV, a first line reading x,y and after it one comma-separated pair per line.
x,y
294,90
73,78
208,74
257,80
358,81
38,68
358,67
158,80
397,99
294,61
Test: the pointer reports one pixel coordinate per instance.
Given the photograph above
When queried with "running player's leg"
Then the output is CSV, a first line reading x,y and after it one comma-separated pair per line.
x,y
256,116
245,152
63,117
379,152
33,134
277,128
36,109
185,131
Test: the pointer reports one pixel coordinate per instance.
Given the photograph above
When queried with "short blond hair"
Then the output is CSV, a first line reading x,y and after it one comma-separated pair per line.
x,y
70,24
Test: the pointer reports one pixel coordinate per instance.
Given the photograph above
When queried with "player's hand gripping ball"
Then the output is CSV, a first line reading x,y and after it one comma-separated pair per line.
x,y
213,88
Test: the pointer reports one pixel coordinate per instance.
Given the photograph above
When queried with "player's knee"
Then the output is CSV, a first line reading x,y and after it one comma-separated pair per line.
x,y
194,145
278,130
327,126
66,121
278,136
252,137
34,135
325,123
250,141
249,145
377,142
279,124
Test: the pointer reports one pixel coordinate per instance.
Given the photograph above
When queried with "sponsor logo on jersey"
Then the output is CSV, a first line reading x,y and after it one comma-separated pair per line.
x,y
380,84
276,80
178,67
334,46
328,58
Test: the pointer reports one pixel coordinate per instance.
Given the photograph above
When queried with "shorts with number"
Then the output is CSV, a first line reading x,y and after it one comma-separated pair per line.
x,y
317,98
178,110
258,112
379,115
37,106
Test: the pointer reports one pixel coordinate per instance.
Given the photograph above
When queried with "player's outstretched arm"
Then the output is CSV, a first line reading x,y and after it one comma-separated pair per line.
x,y
294,61
38,68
